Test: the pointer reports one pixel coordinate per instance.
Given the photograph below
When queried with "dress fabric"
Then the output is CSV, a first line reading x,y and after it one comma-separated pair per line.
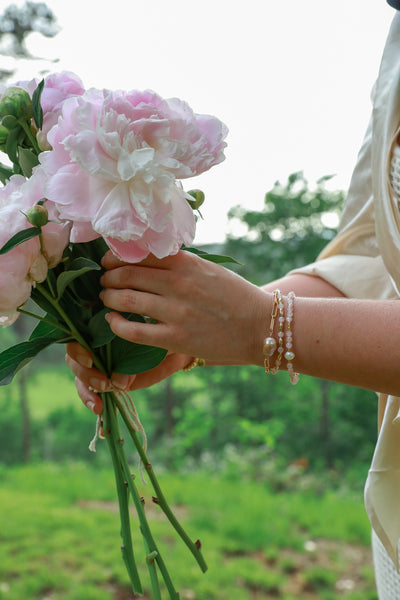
x,y
363,261
387,578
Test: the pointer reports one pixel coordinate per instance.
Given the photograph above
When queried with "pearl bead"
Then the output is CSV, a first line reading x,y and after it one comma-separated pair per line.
x,y
289,355
269,346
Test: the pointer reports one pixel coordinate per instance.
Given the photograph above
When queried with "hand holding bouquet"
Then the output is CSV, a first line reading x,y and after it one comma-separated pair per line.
x,y
88,171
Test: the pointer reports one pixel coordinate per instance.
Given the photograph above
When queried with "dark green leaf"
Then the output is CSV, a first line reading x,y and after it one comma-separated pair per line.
x,y
36,105
27,160
48,329
44,304
130,358
215,258
20,238
100,330
16,357
78,267
5,173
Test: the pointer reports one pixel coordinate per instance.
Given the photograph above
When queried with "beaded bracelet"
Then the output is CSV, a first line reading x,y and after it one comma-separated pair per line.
x,y
289,354
271,345
281,323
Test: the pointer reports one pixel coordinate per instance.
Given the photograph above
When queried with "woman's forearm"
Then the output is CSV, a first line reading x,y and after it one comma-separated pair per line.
x,y
352,341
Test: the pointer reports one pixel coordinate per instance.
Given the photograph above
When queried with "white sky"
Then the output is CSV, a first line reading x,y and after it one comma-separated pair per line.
x,y
291,79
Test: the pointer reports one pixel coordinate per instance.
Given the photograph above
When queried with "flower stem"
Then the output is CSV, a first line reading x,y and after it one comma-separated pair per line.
x,y
72,329
194,547
30,136
150,544
39,318
123,495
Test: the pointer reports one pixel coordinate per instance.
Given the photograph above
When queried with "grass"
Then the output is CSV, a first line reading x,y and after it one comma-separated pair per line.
x,y
59,538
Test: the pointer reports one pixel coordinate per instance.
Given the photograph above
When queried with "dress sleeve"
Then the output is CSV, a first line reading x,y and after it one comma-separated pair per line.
x,y
352,262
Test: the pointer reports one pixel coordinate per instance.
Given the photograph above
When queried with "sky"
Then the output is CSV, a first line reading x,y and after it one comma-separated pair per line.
x,y
291,79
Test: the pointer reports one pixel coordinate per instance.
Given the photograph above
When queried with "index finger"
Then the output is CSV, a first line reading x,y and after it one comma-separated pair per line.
x,y
110,261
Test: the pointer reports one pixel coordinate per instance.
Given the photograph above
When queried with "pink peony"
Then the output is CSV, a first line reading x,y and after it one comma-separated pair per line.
x,y
25,264
114,164
57,88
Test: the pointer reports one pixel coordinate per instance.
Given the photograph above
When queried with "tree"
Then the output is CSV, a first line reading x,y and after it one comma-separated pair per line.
x,y
295,223
16,23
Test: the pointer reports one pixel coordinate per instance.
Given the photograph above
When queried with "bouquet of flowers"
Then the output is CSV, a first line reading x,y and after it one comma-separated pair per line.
x,y
87,171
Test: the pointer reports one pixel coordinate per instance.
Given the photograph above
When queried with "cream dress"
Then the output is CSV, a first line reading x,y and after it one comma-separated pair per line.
x,y
363,261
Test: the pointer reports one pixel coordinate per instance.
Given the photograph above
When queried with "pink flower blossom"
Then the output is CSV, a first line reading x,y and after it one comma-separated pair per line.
x,y
24,265
57,88
114,164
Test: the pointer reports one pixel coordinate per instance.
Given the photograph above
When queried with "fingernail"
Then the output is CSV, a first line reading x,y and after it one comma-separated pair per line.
x,y
98,384
90,404
107,316
84,360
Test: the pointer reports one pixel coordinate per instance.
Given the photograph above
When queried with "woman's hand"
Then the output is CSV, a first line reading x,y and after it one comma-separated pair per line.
x,y
200,308
89,380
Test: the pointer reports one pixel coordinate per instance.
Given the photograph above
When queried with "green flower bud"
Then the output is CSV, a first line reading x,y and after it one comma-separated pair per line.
x,y
38,215
198,196
10,122
16,102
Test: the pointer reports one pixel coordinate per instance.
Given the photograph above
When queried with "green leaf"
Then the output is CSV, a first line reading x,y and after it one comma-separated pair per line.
x,y
16,357
5,173
27,160
215,258
48,329
20,238
129,358
36,105
78,267
100,330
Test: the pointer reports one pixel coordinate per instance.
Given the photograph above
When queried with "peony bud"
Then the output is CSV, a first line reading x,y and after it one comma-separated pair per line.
x,y
16,102
39,268
38,215
198,196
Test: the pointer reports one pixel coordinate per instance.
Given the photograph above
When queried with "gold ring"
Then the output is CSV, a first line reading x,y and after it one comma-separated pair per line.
x,y
195,362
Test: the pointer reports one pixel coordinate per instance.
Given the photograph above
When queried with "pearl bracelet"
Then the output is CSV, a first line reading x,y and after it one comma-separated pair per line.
x,y
272,345
289,354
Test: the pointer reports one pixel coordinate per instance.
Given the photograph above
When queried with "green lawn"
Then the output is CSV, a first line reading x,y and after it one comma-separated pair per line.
x,y
59,538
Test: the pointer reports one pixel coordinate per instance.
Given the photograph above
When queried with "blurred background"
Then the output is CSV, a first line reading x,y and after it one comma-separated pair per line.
x,y
268,476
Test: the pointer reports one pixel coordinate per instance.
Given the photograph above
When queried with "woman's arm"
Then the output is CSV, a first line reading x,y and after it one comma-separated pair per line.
x,y
205,310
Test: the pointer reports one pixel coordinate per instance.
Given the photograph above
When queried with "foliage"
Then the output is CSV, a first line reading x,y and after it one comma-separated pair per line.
x,y
295,223
258,543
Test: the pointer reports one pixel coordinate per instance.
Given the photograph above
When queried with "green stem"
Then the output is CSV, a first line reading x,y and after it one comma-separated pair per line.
x,y
30,136
73,330
39,318
144,526
161,500
151,565
123,495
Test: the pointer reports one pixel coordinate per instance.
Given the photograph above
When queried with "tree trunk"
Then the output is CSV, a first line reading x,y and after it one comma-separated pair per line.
x,y
325,424
26,421
169,406
25,418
